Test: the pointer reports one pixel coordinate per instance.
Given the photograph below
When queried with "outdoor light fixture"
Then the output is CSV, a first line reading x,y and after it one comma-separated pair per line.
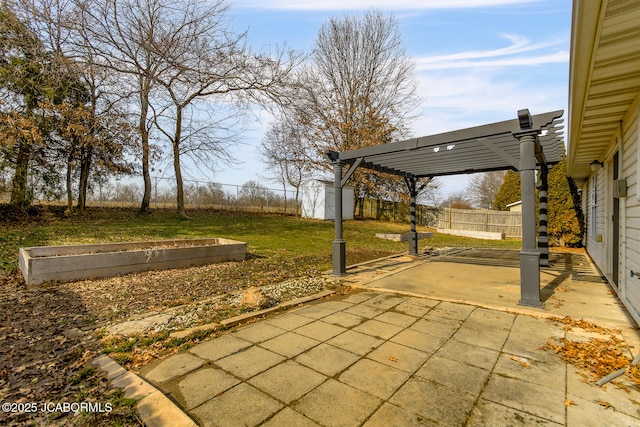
x,y
595,165
524,119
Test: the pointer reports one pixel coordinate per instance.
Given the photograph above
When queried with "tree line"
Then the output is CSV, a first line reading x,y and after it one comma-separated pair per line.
x,y
97,88
103,87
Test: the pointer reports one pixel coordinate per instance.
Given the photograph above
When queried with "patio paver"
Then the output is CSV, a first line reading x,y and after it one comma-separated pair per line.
x,y
379,358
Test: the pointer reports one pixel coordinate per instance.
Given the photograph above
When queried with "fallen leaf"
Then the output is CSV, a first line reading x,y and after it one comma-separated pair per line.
x,y
607,405
522,362
393,359
568,403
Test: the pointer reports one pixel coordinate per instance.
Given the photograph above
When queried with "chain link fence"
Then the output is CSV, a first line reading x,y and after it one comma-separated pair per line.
x,y
251,196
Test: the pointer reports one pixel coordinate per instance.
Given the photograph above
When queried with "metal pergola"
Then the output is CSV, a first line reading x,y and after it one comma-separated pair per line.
x,y
526,144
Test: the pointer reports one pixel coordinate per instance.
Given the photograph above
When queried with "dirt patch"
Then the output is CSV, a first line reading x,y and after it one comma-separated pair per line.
x,y
45,344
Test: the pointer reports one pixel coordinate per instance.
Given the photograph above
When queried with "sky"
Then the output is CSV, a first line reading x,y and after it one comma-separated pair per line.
x,y
477,61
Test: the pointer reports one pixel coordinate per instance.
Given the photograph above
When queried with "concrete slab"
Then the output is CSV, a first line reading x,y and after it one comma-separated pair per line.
x,y
243,405
489,338
172,367
289,321
378,329
355,342
249,362
288,381
399,356
392,415
337,404
289,417
320,330
397,319
327,359
374,378
346,320
259,332
437,328
416,307
607,398
435,402
366,311
543,402
582,412
290,344
550,374
470,354
487,413
419,340
219,347
380,358
200,386
466,378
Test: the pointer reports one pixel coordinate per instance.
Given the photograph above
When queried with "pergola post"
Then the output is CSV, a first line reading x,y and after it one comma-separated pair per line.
x,y
529,255
543,237
413,234
338,257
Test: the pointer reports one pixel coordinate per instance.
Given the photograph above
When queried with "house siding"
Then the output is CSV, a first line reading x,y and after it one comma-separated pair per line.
x,y
596,220
631,245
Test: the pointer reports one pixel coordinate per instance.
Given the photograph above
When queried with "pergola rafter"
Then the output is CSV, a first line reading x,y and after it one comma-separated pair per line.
x,y
525,144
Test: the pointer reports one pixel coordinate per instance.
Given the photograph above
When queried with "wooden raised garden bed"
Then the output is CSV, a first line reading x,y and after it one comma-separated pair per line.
x,y
64,263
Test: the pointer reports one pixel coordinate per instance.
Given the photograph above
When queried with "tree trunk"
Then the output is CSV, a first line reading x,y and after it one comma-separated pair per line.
x,y
298,213
284,189
85,166
144,135
19,188
69,191
176,163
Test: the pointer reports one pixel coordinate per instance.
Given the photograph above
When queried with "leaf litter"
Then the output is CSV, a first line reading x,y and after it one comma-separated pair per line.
x,y
596,357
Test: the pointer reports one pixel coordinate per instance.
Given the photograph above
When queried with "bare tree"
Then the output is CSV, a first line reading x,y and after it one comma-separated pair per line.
x,y
457,200
483,187
285,152
361,85
359,90
125,36
212,71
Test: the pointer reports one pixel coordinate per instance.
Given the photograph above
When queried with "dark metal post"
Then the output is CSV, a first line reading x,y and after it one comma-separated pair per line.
x,y
413,235
529,255
543,237
339,259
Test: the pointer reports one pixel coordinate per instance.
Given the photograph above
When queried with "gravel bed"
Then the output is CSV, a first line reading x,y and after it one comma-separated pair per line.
x,y
189,315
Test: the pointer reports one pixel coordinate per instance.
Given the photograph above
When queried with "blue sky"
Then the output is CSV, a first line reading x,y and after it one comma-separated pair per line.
x,y
477,61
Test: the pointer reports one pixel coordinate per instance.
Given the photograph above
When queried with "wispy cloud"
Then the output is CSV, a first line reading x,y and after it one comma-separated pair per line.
x,y
520,52
381,4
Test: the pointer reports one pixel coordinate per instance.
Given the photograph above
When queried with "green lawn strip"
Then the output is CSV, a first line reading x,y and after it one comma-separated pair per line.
x,y
266,235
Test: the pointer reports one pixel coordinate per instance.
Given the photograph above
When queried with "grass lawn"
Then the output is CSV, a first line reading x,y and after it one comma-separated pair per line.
x,y
276,237
34,320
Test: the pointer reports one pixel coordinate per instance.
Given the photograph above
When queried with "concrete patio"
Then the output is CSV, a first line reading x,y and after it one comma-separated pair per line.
x,y
421,342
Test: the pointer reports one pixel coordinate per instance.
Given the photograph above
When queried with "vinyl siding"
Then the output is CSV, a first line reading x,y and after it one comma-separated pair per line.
x,y
630,171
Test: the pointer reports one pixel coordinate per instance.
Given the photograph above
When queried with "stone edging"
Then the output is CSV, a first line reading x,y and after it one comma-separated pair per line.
x,y
154,408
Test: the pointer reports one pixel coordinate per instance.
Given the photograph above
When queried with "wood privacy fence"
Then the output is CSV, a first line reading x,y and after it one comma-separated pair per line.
x,y
509,223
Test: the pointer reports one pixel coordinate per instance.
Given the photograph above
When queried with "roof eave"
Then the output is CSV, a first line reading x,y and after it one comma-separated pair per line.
x,y
585,22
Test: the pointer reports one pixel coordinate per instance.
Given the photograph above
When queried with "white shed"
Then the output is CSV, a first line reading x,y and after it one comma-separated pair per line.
x,y
318,200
